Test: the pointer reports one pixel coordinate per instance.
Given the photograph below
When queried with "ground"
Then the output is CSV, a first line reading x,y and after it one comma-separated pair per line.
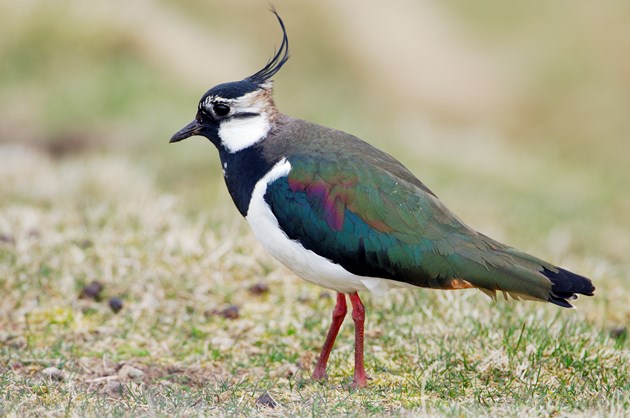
x,y
210,323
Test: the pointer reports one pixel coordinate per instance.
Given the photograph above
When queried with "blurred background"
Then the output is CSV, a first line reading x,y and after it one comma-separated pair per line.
x,y
517,114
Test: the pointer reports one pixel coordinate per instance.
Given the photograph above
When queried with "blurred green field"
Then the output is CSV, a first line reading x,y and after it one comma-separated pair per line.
x,y
515,114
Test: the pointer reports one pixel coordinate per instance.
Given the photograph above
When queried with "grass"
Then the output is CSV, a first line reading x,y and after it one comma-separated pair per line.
x,y
90,191
68,222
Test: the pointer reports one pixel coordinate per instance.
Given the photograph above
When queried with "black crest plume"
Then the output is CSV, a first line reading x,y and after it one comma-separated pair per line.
x,y
277,61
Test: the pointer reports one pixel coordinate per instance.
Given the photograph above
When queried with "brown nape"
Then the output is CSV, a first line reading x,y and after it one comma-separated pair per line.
x,y
266,96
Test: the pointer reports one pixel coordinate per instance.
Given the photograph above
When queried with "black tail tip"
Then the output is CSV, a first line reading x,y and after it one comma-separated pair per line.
x,y
566,286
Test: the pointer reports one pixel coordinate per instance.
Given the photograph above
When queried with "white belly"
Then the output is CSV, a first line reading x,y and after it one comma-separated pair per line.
x,y
303,262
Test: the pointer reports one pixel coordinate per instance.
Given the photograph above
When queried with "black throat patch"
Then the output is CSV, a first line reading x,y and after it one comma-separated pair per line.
x,y
241,171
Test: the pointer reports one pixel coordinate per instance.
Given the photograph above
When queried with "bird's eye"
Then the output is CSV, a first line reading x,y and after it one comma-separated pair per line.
x,y
221,109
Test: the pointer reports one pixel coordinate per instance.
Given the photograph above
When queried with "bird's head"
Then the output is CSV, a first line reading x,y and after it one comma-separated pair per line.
x,y
236,115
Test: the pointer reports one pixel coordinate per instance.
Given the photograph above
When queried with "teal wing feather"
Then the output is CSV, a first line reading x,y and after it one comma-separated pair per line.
x,y
376,223
361,208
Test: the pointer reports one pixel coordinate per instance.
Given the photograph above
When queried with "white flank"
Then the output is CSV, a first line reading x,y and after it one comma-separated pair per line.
x,y
305,263
240,133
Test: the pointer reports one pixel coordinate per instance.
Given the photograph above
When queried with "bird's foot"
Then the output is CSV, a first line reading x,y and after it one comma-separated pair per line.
x,y
359,381
355,384
358,384
319,375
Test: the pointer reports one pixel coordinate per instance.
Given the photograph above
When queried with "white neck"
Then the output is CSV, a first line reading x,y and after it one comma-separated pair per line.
x,y
240,133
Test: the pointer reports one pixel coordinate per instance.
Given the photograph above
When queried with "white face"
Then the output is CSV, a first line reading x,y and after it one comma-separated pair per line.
x,y
243,121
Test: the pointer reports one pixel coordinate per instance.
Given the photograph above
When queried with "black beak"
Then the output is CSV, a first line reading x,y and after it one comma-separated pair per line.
x,y
187,131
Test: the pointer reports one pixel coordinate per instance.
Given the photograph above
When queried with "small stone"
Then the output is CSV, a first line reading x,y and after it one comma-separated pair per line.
x,y
113,387
324,295
115,304
7,239
266,400
53,373
304,299
92,290
129,372
14,341
231,312
259,288
86,243
618,332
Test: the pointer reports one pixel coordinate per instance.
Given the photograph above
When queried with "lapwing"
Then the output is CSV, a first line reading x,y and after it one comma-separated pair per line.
x,y
346,216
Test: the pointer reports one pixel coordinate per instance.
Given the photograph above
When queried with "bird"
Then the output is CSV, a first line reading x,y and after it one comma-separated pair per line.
x,y
349,217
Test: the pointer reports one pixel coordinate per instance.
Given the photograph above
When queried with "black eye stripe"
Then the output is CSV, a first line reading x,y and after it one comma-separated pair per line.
x,y
208,109
245,115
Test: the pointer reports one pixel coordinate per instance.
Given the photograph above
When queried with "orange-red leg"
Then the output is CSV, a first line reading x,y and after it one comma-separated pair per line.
x,y
339,313
358,315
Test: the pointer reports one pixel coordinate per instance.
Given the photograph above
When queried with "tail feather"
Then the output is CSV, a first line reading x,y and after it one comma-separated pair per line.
x,y
565,286
521,275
